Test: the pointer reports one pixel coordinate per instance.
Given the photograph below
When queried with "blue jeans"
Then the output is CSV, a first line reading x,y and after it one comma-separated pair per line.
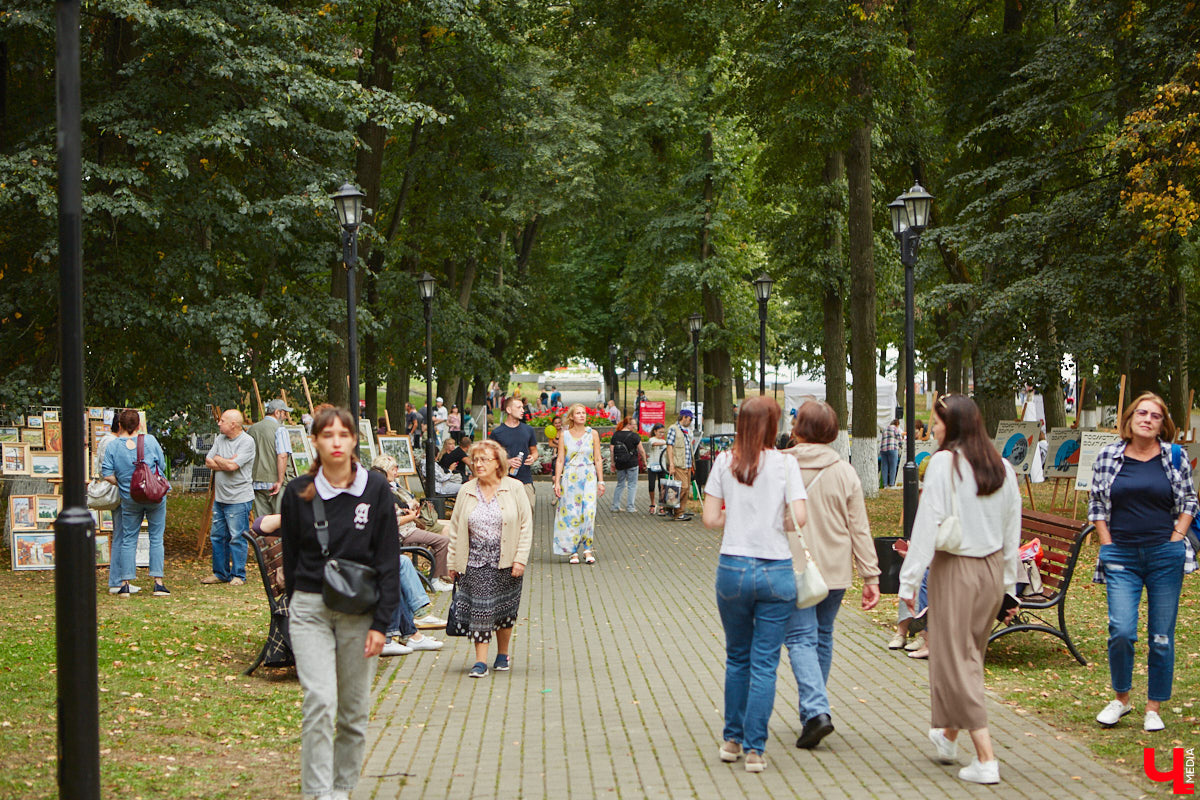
x,y
809,641
626,479
891,460
122,555
412,592
922,600
230,525
1127,568
131,522
755,598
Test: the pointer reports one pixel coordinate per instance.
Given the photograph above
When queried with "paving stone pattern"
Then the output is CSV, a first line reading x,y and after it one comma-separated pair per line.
x,y
616,691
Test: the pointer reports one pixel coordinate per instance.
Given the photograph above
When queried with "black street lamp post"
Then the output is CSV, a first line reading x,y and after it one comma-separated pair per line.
x,y
348,202
74,536
910,216
695,322
426,284
640,355
762,290
625,389
612,370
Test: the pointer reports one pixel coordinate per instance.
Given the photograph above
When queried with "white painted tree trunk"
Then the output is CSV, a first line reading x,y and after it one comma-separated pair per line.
x,y
842,445
864,455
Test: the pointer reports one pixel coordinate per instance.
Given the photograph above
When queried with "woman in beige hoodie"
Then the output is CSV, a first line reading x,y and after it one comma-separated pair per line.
x,y
836,534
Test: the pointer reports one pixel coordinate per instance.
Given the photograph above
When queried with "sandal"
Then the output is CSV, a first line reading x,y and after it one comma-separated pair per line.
x,y
574,558
653,510
588,557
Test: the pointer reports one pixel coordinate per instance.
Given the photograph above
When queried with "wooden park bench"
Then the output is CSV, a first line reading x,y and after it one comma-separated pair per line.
x,y
268,551
1061,540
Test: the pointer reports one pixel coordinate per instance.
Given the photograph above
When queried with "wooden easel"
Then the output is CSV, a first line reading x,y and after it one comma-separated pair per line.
x,y
262,412
208,504
1029,491
1068,489
307,396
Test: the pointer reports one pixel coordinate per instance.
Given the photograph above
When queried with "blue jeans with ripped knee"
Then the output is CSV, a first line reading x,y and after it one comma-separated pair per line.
x,y
1127,570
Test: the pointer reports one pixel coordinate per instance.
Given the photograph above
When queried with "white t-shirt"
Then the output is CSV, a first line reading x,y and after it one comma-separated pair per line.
x,y
754,514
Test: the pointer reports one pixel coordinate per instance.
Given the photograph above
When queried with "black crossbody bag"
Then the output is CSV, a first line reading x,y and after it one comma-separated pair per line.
x,y
349,587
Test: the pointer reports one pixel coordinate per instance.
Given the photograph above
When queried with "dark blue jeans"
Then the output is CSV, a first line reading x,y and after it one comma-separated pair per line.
x,y
890,460
1127,569
755,597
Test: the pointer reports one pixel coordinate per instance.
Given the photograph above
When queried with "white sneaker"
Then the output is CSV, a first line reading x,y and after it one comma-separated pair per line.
x,y
1112,713
425,643
132,589
1153,722
897,641
394,648
440,585
980,771
947,751
429,621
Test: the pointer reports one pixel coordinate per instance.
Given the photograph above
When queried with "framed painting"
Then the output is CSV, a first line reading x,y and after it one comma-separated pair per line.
x,y
14,458
300,440
33,550
48,506
45,465
301,462
106,521
33,421
50,416
103,550
34,437
366,442
52,435
141,556
10,434
22,510
399,448
95,412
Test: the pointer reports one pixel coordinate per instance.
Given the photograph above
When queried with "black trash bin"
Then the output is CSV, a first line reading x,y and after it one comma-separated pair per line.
x,y
702,467
889,564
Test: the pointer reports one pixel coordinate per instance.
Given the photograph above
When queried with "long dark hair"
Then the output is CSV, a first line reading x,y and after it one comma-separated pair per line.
x,y
324,418
966,435
757,422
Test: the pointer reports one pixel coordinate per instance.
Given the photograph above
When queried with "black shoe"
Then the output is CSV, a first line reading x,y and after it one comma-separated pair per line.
x,y
814,731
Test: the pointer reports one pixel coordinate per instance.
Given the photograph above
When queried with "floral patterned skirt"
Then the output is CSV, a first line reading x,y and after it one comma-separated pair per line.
x,y
575,515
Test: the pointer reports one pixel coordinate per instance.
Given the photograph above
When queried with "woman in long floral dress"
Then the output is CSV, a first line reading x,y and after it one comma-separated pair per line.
x,y
578,481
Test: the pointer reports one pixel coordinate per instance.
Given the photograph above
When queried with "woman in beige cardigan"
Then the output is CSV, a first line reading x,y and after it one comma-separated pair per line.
x,y
836,533
491,531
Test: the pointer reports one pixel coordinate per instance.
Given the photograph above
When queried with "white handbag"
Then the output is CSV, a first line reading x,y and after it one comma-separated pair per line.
x,y
103,496
949,532
810,584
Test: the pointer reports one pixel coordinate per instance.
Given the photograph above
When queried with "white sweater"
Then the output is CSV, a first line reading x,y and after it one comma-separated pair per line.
x,y
989,523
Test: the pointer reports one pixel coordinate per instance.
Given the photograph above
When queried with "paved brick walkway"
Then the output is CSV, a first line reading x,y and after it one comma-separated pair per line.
x,y
616,692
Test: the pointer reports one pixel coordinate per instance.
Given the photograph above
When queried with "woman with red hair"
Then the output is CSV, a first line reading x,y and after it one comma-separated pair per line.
x,y
746,496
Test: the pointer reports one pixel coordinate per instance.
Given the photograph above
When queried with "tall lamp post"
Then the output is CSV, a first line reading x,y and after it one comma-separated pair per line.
x,y
625,389
426,285
695,322
640,355
612,368
348,202
910,215
762,290
74,532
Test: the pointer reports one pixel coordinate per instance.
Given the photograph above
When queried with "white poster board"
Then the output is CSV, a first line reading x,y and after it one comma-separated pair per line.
x,y
1090,443
1062,453
923,450
1017,443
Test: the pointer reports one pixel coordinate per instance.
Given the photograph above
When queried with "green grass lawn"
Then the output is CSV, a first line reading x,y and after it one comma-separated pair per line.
x,y
178,719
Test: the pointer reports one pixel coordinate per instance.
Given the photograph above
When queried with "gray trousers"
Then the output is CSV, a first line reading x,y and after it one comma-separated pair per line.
x,y
336,679
265,504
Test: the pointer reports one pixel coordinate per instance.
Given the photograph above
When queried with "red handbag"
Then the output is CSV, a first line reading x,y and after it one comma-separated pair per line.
x,y
146,486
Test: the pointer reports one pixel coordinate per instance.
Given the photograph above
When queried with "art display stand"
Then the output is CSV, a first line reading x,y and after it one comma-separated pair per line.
x,y
1067,503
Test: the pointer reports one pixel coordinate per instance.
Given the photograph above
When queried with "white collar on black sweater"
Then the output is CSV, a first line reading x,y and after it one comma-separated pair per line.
x,y
328,491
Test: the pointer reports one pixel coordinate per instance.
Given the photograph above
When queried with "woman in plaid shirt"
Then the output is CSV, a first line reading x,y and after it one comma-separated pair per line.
x,y
1142,502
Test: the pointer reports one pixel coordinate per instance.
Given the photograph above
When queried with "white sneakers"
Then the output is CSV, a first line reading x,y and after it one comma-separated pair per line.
x,y
425,643
897,641
947,751
429,622
440,585
1153,722
1113,712
980,771
393,648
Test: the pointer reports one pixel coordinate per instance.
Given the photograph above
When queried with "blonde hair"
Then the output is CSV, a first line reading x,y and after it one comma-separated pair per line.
x,y
493,449
568,418
384,462
1125,426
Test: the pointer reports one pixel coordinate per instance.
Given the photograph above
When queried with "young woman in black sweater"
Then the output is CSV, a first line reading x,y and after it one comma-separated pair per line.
x,y
336,652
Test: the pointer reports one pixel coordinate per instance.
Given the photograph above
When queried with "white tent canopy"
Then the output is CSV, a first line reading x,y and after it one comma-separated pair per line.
x,y
798,392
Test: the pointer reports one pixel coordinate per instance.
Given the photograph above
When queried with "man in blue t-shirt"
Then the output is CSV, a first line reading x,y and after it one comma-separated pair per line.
x,y
521,443
555,397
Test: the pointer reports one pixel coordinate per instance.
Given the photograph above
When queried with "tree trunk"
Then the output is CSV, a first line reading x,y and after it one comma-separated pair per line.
x,y
716,364
1178,347
864,426
739,385
398,383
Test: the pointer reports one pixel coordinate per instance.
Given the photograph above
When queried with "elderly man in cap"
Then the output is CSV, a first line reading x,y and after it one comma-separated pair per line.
x,y
679,460
272,461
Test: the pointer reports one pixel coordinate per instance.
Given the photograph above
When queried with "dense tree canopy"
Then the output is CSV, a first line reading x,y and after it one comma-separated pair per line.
x,y
588,174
